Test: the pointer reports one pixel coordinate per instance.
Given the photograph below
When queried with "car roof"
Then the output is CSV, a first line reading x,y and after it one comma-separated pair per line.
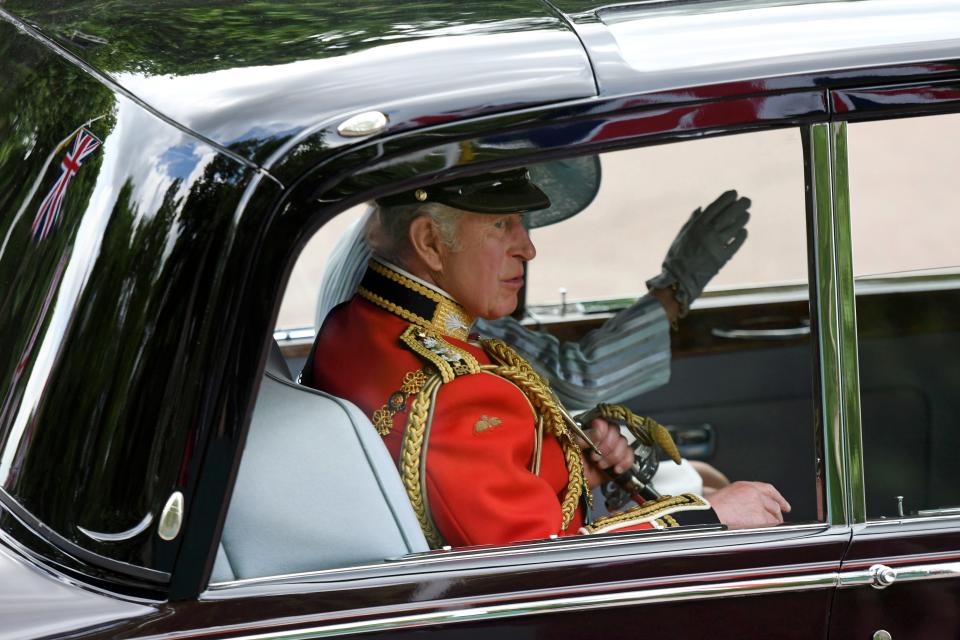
x,y
273,78
271,73
664,45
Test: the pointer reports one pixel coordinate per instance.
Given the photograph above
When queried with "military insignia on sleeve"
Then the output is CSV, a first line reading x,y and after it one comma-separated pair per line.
x,y
487,422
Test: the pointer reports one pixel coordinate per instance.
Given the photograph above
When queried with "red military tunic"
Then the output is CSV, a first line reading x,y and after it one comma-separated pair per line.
x,y
490,476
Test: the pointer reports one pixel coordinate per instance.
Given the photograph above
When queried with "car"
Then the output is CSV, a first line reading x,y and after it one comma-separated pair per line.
x,y
164,166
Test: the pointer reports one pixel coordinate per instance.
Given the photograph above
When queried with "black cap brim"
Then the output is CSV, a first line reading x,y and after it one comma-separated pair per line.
x,y
546,193
496,193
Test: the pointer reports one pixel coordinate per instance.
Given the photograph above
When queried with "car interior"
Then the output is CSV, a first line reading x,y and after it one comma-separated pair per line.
x,y
321,499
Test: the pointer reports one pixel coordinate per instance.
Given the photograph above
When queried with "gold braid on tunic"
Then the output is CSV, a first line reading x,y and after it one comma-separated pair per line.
x,y
511,366
412,454
434,316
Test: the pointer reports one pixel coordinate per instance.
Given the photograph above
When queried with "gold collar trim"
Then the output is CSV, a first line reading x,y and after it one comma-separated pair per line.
x,y
404,297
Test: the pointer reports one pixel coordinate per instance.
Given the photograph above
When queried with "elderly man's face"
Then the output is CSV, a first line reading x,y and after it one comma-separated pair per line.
x,y
485,272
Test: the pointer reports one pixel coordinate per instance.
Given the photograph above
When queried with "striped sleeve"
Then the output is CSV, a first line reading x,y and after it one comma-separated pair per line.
x,y
628,355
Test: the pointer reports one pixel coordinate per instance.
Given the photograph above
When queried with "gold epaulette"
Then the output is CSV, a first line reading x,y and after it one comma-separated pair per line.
x,y
445,363
658,513
449,360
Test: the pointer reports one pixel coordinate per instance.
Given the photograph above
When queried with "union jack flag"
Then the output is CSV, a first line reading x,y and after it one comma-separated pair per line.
x,y
84,144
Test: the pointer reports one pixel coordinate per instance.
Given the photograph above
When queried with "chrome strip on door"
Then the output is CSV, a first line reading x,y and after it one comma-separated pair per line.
x,y
527,552
781,584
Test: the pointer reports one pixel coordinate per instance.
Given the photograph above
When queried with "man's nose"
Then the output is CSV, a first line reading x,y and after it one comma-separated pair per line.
x,y
525,248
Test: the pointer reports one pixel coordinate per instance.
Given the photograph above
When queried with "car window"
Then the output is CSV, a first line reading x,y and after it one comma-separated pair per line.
x,y
647,196
300,299
905,222
740,375
736,392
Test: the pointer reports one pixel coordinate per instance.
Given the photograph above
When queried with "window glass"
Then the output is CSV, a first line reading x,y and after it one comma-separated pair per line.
x,y
649,193
732,382
738,391
906,260
300,300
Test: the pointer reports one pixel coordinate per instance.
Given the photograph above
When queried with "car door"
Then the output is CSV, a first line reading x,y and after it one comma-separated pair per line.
x,y
699,584
901,577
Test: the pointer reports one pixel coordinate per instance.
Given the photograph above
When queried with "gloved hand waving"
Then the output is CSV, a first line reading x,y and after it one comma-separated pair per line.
x,y
706,241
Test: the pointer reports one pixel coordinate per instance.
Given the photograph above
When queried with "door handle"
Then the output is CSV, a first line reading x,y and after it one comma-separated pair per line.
x,y
694,441
882,576
765,328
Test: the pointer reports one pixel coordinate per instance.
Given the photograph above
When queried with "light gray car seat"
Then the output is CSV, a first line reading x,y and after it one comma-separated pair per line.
x,y
317,488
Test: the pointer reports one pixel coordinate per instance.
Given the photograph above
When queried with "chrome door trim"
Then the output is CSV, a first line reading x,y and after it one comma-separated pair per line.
x,y
907,573
531,552
483,612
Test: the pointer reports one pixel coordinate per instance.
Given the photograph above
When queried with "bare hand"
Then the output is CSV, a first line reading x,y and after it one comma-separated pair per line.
x,y
617,453
743,505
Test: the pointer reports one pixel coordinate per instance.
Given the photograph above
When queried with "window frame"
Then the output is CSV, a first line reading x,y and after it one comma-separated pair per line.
x,y
562,128
859,104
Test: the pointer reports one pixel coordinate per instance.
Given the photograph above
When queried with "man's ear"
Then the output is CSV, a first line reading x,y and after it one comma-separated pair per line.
x,y
426,243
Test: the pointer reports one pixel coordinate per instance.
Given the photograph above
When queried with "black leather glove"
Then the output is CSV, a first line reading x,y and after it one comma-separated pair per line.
x,y
704,244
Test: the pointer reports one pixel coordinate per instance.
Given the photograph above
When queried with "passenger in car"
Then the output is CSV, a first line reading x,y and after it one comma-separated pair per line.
x,y
481,444
627,356
630,353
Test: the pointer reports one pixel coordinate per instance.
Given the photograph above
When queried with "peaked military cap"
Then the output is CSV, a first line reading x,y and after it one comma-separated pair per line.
x,y
498,192
546,193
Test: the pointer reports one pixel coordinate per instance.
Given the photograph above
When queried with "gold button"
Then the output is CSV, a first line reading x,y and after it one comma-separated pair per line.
x,y
420,195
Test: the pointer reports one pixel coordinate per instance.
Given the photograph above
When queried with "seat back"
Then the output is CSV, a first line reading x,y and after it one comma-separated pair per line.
x,y
316,489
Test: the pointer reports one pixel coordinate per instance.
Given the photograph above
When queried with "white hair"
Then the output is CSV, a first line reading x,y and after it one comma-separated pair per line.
x,y
388,230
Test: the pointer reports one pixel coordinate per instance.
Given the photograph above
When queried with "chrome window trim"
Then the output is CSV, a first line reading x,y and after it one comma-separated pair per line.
x,y
837,321
294,334
531,553
920,522
849,358
820,145
484,612
906,282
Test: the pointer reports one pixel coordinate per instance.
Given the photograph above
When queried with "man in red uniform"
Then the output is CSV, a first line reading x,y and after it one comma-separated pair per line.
x,y
480,442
